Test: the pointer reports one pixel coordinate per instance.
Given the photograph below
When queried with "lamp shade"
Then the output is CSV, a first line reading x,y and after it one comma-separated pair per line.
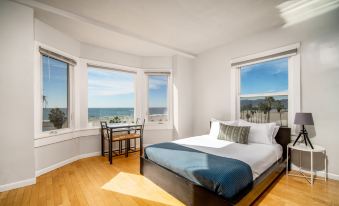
x,y
303,119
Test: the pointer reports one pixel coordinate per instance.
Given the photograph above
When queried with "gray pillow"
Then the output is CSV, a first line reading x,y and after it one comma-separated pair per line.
x,y
237,134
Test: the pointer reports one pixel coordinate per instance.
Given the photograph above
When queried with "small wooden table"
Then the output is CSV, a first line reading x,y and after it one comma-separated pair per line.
x,y
123,127
304,148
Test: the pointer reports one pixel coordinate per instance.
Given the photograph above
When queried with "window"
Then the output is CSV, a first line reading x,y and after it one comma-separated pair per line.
x,y
264,92
266,86
158,98
55,94
111,96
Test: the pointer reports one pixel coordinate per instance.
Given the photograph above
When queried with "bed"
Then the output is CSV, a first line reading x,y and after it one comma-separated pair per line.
x,y
203,170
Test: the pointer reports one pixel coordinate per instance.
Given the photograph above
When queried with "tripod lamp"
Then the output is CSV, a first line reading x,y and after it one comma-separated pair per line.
x,y
303,119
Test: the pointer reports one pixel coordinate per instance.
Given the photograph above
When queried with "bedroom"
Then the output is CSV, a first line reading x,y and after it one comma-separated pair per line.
x,y
178,65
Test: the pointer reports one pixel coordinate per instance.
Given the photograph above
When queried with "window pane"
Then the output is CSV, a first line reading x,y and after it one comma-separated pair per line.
x,y
55,94
266,77
265,109
157,98
111,96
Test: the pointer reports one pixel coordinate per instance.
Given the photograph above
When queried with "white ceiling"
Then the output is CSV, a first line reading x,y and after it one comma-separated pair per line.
x,y
159,27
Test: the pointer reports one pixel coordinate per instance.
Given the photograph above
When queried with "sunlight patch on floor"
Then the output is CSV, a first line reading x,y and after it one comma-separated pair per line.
x,y
140,187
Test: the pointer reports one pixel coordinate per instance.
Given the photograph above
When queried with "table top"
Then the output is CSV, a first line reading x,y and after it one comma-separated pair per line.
x,y
123,125
303,147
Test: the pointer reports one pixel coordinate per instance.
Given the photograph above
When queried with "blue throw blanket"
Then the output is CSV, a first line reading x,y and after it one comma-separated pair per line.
x,y
224,176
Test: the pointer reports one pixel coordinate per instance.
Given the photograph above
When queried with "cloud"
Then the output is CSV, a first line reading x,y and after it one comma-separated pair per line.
x,y
97,87
109,83
156,82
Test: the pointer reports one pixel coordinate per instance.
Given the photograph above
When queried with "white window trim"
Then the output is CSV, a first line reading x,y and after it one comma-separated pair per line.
x,y
157,125
38,93
293,81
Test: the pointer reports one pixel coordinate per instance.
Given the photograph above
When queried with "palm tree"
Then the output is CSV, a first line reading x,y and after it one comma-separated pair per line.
x,y
242,109
44,101
248,116
269,102
262,110
279,106
252,115
249,108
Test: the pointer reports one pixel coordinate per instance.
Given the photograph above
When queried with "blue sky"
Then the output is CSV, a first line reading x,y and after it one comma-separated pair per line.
x,y
109,88
106,88
266,77
55,82
157,91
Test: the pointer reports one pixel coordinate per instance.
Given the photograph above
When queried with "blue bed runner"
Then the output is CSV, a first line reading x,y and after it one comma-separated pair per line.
x,y
224,176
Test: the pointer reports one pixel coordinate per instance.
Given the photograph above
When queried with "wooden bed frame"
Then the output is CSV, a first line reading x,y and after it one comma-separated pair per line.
x,y
192,194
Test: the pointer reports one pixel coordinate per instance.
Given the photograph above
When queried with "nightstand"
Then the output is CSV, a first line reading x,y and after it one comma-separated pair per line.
x,y
304,148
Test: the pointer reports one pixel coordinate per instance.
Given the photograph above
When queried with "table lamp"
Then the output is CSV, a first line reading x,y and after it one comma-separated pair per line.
x,y
303,119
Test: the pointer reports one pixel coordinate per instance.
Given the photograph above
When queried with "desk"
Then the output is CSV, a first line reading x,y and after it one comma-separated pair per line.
x,y
124,127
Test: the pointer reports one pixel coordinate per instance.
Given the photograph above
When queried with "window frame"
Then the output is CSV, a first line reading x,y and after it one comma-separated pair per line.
x,y
38,103
293,92
157,125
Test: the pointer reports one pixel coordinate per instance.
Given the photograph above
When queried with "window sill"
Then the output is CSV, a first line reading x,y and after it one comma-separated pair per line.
x,y
157,126
69,134
53,133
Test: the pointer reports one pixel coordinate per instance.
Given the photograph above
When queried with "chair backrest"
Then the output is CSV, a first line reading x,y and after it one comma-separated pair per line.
x,y
142,127
103,125
143,123
138,121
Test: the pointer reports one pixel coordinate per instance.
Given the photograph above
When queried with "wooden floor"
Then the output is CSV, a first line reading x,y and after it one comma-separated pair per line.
x,y
92,181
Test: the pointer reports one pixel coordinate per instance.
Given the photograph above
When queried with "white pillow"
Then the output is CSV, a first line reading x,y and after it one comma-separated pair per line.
x,y
215,126
259,133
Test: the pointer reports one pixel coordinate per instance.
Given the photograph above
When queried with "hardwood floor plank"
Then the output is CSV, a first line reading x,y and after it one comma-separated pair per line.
x,y
93,181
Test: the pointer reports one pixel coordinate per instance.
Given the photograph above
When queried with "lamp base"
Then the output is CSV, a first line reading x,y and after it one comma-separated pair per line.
x,y
304,133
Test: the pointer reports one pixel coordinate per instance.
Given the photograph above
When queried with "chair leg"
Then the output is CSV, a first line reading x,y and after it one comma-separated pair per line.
x,y
120,147
102,145
110,152
141,146
135,144
126,148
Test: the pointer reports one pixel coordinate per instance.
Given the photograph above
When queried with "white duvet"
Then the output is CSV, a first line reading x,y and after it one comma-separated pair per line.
x,y
258,156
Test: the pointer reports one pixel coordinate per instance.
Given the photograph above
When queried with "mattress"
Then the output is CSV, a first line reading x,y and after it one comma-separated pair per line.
x,y
258,156
224,176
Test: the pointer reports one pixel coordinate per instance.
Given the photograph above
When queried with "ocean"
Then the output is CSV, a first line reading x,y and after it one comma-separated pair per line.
x,y
95,113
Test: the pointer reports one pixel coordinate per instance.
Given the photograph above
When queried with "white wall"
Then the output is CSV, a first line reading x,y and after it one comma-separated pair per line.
x,y
161,62
110,56
54,38
16,92
319,39
183,96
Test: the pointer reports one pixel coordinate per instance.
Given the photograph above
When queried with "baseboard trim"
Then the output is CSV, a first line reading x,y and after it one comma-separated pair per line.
x,y
318,173
93,154
65,162
18,184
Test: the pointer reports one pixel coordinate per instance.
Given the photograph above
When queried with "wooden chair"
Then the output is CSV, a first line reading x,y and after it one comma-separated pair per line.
x,y
105,134
134,134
